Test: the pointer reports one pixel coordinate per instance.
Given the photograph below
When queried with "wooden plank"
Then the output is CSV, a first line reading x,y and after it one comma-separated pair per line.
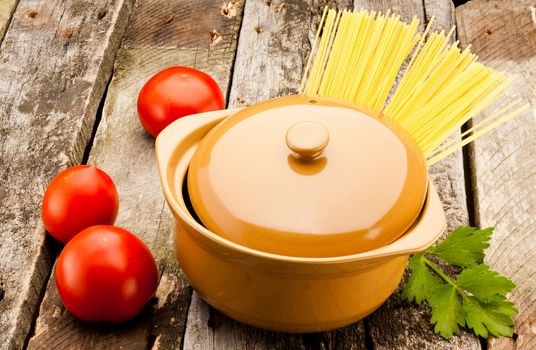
x,y
126,152
273,43
55,61
503,34
273,48
7,7
397,324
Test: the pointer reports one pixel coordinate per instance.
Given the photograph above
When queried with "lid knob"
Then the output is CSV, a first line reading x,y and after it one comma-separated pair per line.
x,y
307,139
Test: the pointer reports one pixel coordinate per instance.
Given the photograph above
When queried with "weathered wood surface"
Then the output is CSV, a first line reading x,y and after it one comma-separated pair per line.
x,y
503,34
157,38
71,55
397,324
7,7
273,48
55,60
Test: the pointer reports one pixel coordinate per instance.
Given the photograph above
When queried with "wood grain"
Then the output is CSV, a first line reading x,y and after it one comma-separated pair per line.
x,y
175,24
397,324
503,34
55,61
7,7
125,151
273,48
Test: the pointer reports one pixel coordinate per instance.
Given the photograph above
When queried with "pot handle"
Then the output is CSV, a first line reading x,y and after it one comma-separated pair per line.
x,y
429,227
169,138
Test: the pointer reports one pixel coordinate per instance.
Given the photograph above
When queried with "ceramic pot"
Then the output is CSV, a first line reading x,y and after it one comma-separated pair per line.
x,y
272,288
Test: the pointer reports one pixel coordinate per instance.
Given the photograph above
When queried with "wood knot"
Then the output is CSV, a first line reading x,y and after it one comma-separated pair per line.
x,y
215,37
258,29
101,14
168,19
68,32
32,14
488,31
229,9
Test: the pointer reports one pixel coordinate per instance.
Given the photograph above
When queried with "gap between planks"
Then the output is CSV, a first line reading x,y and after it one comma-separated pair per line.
x,y
7,8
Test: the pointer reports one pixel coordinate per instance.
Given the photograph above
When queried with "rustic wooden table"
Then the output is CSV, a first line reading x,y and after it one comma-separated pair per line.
x,y
70,72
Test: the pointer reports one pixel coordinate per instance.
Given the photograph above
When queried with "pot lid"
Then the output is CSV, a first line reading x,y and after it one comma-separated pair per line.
x,y
307,177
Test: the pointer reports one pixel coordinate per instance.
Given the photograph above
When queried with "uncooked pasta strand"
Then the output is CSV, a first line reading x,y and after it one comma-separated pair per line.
x,y
357,59
478,125
479,133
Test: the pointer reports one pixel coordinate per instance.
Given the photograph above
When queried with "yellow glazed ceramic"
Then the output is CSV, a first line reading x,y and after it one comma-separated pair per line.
x,y
282,292
307,177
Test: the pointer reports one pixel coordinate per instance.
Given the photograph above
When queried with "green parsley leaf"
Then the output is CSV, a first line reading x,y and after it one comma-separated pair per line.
x,y
482,291
485,318
500,304
421,282
483,283
447,312
464,246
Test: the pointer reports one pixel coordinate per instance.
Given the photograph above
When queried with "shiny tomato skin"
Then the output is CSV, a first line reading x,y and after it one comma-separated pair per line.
x,y
106,274
77,198
174,93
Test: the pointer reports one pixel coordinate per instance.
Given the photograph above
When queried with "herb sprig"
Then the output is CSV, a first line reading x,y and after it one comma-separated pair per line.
x,y
476,299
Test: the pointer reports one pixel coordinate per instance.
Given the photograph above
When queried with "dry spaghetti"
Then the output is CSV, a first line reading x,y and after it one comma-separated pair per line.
x,y
357,59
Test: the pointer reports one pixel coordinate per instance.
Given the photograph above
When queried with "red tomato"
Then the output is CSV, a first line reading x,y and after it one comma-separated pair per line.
x,y
176,92
106,274
77,198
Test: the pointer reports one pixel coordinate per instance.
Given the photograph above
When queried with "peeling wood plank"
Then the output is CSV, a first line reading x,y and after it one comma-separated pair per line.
x,y
398,324
7,7
55,60
273,48
125,151
503,34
